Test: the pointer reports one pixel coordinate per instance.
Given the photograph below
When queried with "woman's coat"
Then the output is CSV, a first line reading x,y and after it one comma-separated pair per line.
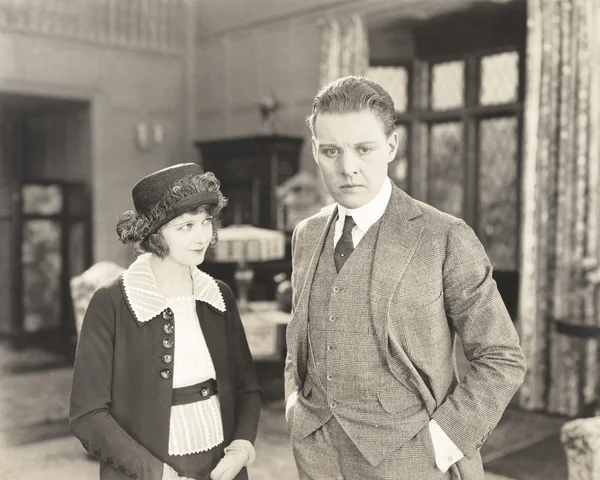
x,y
122,386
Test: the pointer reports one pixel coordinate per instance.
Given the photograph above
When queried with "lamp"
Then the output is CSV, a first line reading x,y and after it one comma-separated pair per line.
x,y
244,244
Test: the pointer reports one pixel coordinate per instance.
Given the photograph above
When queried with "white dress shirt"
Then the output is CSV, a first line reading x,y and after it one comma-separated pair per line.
x,y
446,451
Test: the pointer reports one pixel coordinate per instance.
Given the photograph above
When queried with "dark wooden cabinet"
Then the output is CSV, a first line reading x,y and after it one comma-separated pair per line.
x,y
250,169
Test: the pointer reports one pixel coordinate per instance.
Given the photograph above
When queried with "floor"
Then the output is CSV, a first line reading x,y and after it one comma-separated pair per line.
x,y
35,443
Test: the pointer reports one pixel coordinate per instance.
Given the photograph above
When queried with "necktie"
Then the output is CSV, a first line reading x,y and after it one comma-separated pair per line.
x,y
345,246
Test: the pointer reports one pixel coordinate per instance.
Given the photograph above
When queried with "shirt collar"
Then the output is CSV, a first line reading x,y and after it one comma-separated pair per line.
x,y
147,301
367,215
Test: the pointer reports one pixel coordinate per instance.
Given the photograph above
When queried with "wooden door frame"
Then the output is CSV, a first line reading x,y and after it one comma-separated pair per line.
x,y
94,98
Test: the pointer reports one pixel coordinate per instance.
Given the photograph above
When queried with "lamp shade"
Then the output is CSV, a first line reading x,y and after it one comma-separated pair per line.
x,y
246,243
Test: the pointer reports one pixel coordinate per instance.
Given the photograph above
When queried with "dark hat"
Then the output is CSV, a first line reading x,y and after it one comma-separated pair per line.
x,y
153,188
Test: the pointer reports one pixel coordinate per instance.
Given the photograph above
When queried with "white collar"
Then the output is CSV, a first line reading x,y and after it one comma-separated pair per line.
x,y
147,301
367,215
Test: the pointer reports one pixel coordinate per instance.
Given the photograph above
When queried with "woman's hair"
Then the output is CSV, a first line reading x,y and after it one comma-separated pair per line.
x,y
140,229
354,94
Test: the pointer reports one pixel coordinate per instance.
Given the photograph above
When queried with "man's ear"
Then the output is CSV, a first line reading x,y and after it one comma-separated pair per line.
x,y
393,145
315,148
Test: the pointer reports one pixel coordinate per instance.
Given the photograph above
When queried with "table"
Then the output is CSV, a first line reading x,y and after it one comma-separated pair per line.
x,y
265,328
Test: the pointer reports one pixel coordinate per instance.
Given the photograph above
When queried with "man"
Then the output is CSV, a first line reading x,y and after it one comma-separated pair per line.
x,y
382,285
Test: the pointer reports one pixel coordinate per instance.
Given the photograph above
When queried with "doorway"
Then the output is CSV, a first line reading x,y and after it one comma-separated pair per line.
x,y
45,214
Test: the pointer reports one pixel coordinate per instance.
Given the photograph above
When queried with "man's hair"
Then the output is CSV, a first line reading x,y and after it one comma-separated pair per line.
x,y
354,94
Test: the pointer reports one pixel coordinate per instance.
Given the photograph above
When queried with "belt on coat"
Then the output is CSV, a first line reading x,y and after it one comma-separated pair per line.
x,y
195,393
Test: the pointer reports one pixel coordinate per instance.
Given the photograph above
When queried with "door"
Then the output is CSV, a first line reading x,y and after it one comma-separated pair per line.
x,y
9,252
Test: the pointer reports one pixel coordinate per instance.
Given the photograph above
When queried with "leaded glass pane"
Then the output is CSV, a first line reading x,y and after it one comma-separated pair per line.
x,y
447,85
499,78
395,81
446,171
42,199
498,191
41,259
398,168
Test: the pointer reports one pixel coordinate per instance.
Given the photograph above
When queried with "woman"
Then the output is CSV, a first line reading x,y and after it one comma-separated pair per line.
x,y
164,386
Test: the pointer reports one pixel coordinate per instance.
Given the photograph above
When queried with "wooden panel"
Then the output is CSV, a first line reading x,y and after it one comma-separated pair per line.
x,y
211,78
243,121
7,284
57,145
210,126
249,169
275,71
224,15
241,69
306,43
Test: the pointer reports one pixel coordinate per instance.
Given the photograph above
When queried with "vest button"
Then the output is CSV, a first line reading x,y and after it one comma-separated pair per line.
x,y
167,358
167,342
168,328
332,318
167,314
330,377
330,348
332,404
165,373
336,289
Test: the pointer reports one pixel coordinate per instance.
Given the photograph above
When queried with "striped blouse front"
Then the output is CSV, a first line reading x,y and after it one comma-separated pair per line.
x,y
195,427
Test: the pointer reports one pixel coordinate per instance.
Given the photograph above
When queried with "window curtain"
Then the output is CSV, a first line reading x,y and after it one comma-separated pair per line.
x,y
344,51
560,256
345,48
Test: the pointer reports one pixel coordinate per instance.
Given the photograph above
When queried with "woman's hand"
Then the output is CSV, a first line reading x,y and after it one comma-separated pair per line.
x,y
239,454
230,465
169,473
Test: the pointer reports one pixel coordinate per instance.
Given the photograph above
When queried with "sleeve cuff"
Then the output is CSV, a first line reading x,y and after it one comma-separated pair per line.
x,y
289,403
167,472
446,451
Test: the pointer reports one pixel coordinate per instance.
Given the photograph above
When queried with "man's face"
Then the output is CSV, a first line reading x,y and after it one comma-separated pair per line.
x,y
353,152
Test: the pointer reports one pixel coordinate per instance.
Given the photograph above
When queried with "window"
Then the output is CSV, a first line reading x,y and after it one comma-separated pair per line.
x,y
395,79
459,122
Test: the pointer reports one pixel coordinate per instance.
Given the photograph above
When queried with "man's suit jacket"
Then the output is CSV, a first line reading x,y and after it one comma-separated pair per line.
x,y
431,280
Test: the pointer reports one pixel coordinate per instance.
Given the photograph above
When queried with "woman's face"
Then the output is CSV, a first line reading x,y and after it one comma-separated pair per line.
x,y
188,236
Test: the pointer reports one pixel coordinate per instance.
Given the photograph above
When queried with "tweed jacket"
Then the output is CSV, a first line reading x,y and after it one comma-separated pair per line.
x,y
431,280
120,402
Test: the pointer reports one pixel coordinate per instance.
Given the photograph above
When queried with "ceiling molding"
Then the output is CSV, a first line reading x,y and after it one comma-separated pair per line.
x,y
215,19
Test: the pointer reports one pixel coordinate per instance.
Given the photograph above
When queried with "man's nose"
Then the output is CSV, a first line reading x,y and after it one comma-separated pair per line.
x,y
349,163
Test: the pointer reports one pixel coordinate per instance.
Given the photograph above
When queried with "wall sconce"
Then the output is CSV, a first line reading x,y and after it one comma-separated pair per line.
x,y
158,133
268,107
141,137
147,136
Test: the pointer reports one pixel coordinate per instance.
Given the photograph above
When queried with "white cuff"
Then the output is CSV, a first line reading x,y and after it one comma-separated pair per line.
x,y
446,451
169,473
289,403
